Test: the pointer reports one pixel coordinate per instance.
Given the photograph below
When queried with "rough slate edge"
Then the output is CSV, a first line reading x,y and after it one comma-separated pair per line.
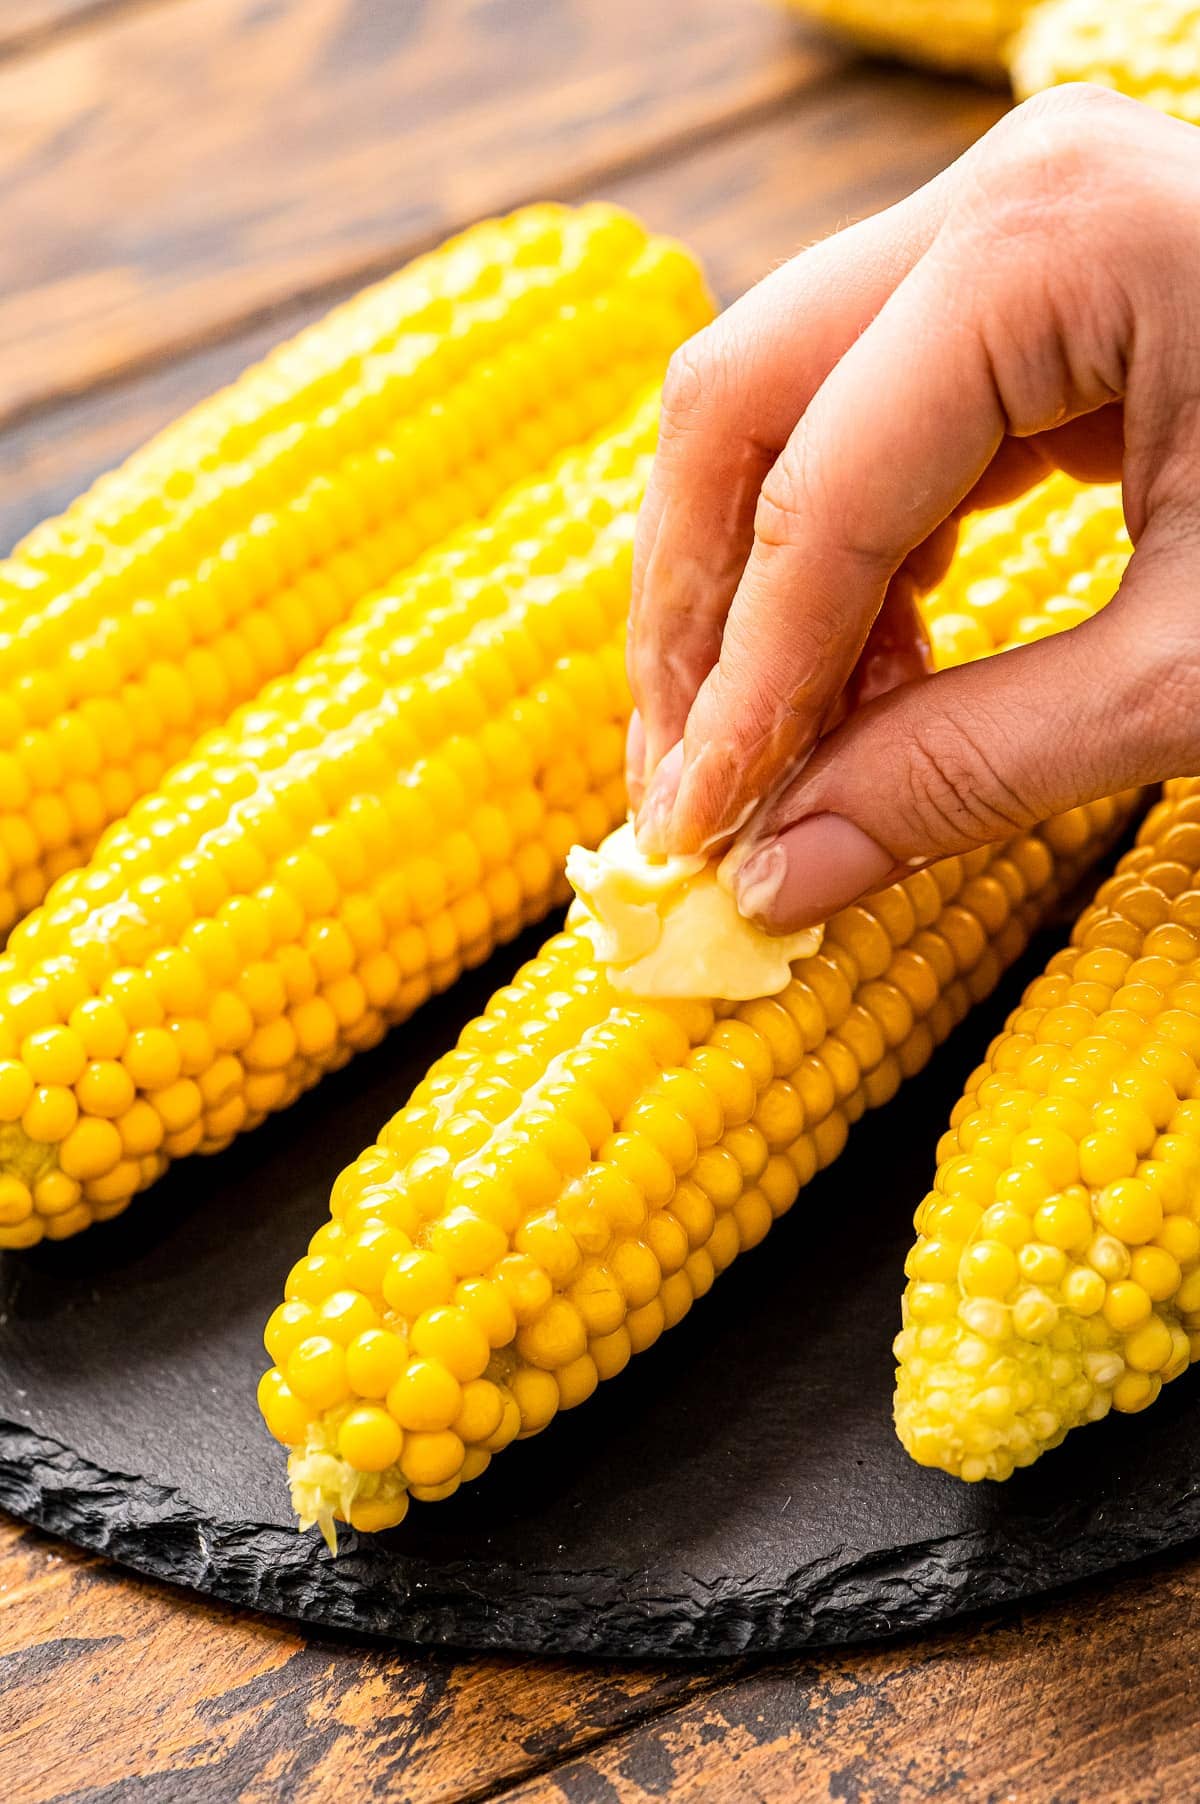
x,y
154,1531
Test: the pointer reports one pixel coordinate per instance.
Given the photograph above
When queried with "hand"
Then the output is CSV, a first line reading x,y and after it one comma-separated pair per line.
x,y
1036,306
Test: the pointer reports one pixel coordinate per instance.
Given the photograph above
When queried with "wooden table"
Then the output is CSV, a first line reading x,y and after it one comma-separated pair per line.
x,y
183,182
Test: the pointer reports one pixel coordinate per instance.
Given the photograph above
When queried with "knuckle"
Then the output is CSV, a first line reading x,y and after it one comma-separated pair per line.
x,y
781,506
953,793
798,496
1048,152
693,373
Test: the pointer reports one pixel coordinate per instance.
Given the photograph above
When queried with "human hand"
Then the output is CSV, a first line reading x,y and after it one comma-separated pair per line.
x,y
1036,306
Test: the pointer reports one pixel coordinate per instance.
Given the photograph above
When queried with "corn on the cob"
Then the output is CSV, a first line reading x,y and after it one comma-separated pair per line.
x,y
1147,48
1057,1270
562,1187
228,547
966,35
370,824
1046,562
564,1184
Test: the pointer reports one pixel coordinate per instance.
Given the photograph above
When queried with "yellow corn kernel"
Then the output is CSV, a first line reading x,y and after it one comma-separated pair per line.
x,y
1010,567
1115,1255
227,548
369,1439
606,1244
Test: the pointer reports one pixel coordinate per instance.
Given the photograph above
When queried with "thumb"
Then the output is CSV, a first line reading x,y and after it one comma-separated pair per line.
x,y
974,755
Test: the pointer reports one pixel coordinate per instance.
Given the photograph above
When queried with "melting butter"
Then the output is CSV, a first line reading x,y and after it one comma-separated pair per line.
x,y
671,927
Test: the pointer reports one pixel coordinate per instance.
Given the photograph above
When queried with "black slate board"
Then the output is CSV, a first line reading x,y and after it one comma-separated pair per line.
x,y
739,1487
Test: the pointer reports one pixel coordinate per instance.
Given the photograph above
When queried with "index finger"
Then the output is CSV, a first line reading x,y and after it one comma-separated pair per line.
x,y
965,350
732,397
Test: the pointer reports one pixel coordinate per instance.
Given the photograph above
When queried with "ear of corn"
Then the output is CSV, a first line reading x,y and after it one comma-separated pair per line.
x,y
228,547
1147,48
1057,1270
563,1185
1048,561
342,847
966,35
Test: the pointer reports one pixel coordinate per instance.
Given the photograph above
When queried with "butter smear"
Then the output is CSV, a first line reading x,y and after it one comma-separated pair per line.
x,y
671,927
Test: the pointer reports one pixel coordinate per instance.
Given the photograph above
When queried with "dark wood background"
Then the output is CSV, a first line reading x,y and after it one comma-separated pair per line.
x,y
182,182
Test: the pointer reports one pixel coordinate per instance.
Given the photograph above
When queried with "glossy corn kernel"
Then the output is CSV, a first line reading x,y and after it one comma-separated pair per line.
x,y
1147,48
1047,561
966,35
228,547
564,1185
343,847
1057,1270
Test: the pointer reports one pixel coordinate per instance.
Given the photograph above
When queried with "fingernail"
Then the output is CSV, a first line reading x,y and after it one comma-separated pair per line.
x,y
655,811
809,872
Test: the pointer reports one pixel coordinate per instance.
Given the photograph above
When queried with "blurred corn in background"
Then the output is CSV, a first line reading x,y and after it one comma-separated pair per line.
x,y
1149,49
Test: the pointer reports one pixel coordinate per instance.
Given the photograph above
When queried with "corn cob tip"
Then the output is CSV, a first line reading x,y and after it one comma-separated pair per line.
x,y
982,1400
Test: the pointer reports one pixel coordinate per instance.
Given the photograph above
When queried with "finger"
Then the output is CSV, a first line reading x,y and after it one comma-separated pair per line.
x,y
635,759
1090,448
732,398
897,649
899,435
987,750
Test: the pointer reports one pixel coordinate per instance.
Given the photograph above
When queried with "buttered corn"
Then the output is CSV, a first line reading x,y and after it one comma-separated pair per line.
x,y
227,548
1057,1270
564,1185
568,1181
1047,562
346,844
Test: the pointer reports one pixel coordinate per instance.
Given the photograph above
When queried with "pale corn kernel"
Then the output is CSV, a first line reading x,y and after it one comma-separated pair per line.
x,y
1123,1309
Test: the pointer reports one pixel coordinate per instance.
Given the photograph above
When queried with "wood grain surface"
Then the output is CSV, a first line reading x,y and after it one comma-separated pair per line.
x,y
181,183
743,200
192,166
1074,1702
144,1691
114,1690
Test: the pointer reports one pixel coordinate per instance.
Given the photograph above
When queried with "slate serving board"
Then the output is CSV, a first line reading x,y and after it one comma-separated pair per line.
x,y
739,1487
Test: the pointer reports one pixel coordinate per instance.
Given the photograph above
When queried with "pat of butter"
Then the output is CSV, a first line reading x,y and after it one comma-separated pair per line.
x,y
670,927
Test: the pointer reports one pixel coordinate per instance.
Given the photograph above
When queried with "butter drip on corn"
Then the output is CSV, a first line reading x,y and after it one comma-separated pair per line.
x,y
671,927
